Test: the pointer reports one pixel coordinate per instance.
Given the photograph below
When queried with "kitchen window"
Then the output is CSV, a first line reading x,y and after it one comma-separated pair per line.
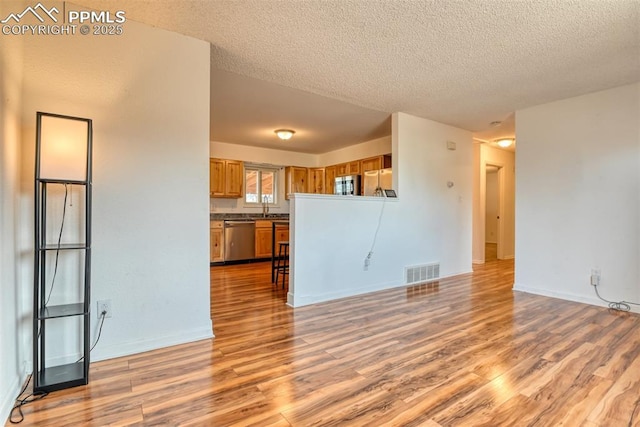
x,y
260,185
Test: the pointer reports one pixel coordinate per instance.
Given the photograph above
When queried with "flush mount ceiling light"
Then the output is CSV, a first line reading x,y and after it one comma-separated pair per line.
x,y
284,134
505,142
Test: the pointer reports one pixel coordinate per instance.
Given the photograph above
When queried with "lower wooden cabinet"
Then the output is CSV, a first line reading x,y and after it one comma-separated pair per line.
x,y
263,237
216,241
282,234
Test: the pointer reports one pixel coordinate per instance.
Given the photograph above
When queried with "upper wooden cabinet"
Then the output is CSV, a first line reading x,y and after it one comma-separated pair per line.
x,y
216,178
354,167
225,178
295,180
234,178
316,180
329,179
349,168
371,164
375,163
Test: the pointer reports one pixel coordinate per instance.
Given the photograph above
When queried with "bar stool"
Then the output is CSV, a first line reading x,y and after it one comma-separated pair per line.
x,y
283,261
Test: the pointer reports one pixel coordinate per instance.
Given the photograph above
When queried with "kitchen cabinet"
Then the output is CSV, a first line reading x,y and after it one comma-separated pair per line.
x,y
295,180
263,239
354,167
264,232
348,168
216,178
329,179
371,164
282,234
316,178
225,178
216,241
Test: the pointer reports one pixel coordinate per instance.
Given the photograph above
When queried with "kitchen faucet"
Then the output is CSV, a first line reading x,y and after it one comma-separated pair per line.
x,y
265,206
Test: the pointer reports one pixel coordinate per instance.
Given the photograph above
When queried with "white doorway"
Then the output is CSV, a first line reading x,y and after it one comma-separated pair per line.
x,y
493,203
492,213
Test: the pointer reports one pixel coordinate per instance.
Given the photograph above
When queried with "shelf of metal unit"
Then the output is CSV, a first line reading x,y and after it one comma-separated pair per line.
x,y
61,181
61,377
63,310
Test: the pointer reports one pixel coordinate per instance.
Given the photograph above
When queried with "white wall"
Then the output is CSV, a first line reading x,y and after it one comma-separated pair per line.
x,y
12,354
147,92
331,236
578,204
486,155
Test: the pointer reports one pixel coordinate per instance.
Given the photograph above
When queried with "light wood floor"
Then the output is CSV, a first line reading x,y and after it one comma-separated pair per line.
x,y
465,351
490,252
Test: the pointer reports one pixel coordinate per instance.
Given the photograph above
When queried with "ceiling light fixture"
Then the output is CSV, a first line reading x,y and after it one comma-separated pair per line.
x,y
284,134
505,142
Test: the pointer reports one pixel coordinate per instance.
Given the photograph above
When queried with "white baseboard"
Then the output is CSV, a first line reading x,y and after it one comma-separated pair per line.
x,y
8,399
566,296
300,301
140,346
296,302
509,257
477,261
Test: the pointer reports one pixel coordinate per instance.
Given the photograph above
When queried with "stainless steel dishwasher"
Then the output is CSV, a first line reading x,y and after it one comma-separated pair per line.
x,y
239,240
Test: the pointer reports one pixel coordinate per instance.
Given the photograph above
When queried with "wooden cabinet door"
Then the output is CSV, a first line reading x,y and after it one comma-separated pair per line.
x,y
233,178
316,180
329,179
282,234
371,164
354,167
295,180
299,180
216,240
216,178
263,241
342,169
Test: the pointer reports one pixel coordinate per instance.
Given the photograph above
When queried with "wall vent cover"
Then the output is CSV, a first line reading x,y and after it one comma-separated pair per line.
x,y
421,273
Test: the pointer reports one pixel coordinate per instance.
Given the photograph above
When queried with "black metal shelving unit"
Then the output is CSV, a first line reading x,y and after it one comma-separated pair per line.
x,y
48,377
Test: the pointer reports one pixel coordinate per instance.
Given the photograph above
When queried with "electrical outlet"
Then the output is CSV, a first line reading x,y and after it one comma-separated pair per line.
x,y
104,305
595,277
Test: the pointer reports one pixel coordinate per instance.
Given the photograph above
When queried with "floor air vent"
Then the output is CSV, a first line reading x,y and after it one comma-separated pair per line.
x,y
421,273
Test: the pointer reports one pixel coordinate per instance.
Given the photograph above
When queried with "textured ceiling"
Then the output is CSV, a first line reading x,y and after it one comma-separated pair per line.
x,y
465,63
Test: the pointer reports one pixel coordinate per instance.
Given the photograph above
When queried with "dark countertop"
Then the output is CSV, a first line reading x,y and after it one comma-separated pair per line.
x,y
236,216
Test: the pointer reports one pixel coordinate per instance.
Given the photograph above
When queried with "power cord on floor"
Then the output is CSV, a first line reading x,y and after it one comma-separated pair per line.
x,y
617,305
21,401
32,397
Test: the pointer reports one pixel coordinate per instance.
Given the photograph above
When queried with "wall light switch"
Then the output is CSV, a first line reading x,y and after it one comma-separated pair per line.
x,y
451,145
